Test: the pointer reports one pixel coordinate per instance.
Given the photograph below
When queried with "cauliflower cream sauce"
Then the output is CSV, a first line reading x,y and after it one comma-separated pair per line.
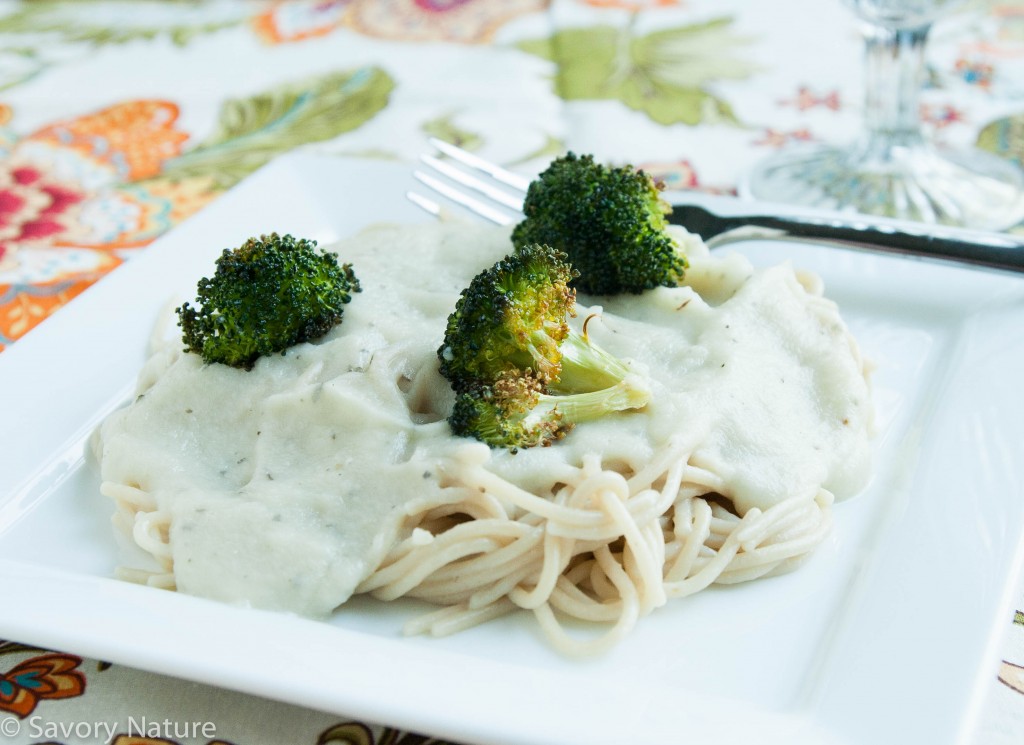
x,y
286,485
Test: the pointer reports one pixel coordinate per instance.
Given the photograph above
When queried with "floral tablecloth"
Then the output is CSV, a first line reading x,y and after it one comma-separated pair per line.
x,y
119,120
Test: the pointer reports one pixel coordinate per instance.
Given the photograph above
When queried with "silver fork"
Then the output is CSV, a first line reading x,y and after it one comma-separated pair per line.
x,y
496,194
511,200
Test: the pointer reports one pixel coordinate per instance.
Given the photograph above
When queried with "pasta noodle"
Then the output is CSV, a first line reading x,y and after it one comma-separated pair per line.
x,y
137,515
606,548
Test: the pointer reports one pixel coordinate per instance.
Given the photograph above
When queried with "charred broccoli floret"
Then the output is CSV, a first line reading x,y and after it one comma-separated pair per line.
x,y
515,412
269,294
513,319
610,222
509,353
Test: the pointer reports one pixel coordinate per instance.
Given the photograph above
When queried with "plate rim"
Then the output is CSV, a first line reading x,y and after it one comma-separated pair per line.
x,y
22,580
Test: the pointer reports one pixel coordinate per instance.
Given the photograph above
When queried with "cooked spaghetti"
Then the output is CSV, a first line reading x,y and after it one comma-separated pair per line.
x,y
330,470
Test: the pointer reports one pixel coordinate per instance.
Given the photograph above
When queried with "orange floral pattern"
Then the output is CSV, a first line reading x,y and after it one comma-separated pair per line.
x,y
463,21
290,21
135,137
72,184
47,676
146,210
124,172
27,306
34,208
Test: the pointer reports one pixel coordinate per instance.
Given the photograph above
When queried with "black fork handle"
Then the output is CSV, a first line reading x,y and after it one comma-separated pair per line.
x,y
979,248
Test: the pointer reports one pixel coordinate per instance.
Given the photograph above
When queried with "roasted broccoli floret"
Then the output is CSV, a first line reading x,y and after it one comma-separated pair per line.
x,y
513,318
515,412
610,222
509,353
269,294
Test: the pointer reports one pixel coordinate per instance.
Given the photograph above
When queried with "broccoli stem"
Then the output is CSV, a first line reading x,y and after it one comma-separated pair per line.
x,y
586,367
629,393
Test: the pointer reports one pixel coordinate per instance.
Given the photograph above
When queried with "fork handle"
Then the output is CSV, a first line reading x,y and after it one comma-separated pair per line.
x,y
980,248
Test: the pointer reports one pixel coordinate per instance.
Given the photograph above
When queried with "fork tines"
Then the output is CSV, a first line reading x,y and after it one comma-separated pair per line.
x,y
488,196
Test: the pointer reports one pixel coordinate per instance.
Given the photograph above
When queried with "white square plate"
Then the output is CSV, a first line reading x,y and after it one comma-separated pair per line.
x,y
888,634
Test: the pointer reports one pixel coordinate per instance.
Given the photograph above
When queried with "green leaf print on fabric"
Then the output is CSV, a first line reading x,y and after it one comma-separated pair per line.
x,y
251,131
105,22
444,128
551,148
357,733
664,74
348,733
1004,137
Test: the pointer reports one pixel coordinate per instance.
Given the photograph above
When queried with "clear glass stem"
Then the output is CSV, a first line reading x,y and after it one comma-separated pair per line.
x,y
894,67
891,169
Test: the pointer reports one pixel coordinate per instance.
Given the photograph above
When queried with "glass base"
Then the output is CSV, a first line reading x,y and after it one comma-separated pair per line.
x,y
965,188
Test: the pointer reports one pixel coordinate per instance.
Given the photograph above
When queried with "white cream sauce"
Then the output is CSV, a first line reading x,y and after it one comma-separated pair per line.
x,y
287,484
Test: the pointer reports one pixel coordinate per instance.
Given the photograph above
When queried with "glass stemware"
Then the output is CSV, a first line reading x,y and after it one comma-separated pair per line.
x,y
892,169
